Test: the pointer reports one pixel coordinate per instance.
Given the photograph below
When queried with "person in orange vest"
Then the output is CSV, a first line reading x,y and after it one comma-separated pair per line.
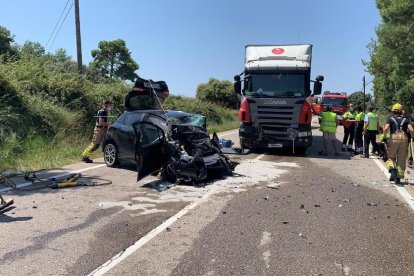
x,y
329,123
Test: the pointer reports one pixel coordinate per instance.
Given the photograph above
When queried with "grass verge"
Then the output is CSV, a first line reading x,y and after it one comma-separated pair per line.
x,y
37,153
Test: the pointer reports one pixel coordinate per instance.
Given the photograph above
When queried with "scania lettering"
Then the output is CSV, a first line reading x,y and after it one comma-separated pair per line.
x,y
275,96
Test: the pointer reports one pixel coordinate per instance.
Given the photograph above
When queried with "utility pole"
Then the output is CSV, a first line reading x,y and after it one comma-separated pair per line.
x,y
78,38
363,85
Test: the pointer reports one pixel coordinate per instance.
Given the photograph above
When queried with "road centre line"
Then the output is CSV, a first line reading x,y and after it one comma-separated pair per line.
x,y
403,192
28,183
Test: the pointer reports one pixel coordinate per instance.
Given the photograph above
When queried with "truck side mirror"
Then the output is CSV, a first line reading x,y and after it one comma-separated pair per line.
x,y
317,88
237,84
319,78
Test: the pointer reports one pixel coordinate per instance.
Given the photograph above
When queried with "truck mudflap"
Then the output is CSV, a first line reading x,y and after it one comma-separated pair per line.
x,y
251,137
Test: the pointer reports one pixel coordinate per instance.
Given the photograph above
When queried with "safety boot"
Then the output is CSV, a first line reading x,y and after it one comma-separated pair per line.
x,y
398,180
87,159
393,174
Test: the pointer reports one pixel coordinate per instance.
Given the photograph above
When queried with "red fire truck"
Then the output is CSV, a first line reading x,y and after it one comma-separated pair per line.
x,y
337,100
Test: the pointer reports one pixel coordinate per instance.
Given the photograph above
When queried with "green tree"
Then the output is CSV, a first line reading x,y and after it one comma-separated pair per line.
x,y
392,54
31,50
357,99
7,47
113,60
218,92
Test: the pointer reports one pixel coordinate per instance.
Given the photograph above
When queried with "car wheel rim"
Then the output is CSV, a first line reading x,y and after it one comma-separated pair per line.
x,y
110,154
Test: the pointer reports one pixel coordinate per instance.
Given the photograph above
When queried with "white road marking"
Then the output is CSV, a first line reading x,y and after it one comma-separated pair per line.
x,y
266,238
138,244
265,241
25,184
403,192
228,134
248,170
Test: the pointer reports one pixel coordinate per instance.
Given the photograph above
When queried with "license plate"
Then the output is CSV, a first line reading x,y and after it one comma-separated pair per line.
x,y
275,145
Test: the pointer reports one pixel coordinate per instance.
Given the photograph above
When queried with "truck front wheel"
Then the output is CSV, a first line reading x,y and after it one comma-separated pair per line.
x,y
243,144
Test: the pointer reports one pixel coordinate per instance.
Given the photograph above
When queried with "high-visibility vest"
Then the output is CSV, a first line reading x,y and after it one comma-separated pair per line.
x,y
372,121
328,122
360,116
349,115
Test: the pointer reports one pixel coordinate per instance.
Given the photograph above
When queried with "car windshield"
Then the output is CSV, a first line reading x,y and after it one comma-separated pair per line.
x,y
186,119
281,85
334,101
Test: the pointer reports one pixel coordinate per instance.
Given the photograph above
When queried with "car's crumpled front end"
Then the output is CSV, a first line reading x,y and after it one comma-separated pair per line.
x,y
193,154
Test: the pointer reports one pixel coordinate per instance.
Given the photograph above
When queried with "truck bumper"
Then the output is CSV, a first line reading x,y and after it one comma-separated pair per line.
x,y
250,138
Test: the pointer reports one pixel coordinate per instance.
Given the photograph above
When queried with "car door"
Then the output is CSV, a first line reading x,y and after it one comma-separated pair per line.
x,y
149,148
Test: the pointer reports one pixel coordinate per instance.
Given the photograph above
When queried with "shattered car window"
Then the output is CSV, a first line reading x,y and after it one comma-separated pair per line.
x,y
149,134
188,119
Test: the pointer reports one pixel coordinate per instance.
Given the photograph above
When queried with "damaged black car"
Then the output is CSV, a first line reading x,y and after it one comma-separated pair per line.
x,y
175,144
181,149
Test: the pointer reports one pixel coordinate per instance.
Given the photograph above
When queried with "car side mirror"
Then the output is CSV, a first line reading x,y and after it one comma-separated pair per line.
x,y
237,85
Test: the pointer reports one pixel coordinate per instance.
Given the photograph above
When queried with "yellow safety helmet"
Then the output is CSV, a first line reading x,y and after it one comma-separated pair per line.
x,y
397,107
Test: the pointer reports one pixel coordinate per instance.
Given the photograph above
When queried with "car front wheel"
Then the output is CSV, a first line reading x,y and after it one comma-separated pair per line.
x,y
111,155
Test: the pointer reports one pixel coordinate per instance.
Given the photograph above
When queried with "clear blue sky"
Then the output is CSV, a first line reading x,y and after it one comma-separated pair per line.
x,y
186,42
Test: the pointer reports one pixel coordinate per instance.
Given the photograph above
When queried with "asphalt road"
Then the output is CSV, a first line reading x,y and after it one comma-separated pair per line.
x,y
278,215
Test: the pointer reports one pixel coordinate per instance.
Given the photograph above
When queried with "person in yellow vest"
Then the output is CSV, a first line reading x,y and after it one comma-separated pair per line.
x,y
359,127
329,123
401,130
348,121
381,146
370,132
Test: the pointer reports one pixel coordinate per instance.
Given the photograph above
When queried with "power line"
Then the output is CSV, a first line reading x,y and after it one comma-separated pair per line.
x,y
64,19
57,23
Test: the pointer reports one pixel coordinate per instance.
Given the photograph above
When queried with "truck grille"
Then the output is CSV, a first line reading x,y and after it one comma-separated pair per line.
x,y
275,120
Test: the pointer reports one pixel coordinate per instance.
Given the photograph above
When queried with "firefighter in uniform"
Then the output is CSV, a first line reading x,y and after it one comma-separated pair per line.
x,y
370,132
99,132
348,121
401,131
329,122
359,127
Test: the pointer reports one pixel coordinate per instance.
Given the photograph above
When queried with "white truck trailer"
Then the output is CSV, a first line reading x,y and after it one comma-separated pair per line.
x,y
275,97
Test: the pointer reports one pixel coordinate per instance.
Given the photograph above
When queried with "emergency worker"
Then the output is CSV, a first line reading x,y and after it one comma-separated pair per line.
x,y
359,127
101,126
370,132
329,122
348,121
401,131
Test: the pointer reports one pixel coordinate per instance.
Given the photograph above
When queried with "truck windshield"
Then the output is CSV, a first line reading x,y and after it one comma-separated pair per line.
x,y
334,101
280,85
